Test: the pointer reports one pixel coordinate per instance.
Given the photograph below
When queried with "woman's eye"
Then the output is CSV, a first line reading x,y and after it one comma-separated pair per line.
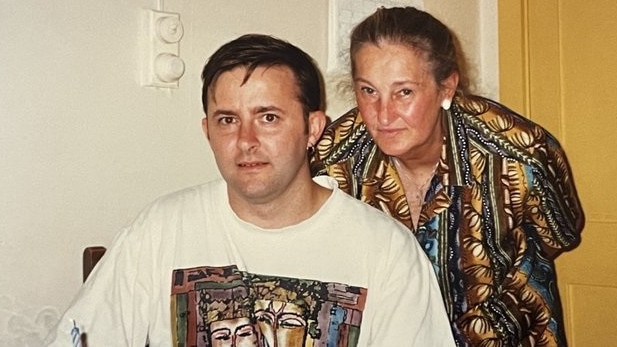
x,y
406,92
368,90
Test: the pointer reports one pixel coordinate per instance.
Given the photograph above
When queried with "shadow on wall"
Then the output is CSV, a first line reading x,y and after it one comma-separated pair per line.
x,y
23,326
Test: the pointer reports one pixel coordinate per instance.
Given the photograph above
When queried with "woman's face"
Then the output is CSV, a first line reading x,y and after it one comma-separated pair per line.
x,y
399,98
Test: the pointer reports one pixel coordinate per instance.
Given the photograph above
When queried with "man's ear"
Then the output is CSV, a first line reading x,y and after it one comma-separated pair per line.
x,y
316,124
204,126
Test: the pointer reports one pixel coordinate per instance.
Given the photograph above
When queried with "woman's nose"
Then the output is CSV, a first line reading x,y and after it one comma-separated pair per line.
x,y
385,116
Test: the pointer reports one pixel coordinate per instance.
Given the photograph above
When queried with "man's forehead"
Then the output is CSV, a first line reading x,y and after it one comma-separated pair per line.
x,y
240,76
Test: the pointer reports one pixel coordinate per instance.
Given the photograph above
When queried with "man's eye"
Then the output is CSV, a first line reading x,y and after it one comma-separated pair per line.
x,y
226,120
270,117
406,92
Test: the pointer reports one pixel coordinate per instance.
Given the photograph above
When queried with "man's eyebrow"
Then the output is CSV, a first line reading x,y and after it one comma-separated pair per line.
x,y
256,110
262,109
222,112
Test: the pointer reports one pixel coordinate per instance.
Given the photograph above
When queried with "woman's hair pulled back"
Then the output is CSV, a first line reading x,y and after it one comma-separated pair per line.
x,y
417,29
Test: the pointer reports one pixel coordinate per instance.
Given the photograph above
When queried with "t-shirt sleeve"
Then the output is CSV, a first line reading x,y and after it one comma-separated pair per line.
x,y
110,307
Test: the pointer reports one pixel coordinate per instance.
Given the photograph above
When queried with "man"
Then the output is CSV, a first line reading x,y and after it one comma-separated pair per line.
x,y
266,256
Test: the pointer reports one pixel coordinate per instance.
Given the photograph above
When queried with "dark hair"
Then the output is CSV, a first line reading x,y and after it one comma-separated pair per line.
x,y
255,50
410,26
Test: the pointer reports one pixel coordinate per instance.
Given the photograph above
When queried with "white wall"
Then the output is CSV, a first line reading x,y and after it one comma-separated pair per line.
x,y
83,147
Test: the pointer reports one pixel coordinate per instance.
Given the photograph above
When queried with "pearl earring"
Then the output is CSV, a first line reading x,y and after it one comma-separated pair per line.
x,y
446,103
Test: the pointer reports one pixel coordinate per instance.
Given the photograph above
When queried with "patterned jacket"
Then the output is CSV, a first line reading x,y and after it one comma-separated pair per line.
x,y
501,207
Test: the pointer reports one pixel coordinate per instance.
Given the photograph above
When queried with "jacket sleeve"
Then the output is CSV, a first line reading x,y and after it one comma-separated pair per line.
x,y
560,217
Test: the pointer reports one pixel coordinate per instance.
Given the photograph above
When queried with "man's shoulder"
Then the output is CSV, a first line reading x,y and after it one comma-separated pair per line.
x,y
195,196
364,216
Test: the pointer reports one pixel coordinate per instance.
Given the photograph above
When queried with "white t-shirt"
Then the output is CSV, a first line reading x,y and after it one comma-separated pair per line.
x,y
189,270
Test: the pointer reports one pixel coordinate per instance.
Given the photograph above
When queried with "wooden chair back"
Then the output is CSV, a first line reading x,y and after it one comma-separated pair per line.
x,y
91,256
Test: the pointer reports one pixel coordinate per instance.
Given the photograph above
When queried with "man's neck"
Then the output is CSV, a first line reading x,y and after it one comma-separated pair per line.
x,y
290,208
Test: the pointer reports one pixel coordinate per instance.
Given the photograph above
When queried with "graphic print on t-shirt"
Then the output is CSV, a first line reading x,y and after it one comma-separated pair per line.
x,y
223,306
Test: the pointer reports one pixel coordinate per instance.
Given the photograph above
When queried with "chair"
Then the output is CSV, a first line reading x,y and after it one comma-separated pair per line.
x,y
91,256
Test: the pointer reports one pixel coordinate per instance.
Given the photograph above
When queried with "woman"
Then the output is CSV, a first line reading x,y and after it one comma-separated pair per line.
x,y
487,192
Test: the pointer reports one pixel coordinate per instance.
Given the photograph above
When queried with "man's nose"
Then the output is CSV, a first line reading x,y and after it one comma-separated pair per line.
x,y
247,137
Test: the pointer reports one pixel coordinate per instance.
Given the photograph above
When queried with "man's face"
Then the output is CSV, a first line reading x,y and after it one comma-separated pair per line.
x,y
258,134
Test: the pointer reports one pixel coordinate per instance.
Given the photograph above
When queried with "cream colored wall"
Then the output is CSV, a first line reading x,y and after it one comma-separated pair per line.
x,y
83,147
475,24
